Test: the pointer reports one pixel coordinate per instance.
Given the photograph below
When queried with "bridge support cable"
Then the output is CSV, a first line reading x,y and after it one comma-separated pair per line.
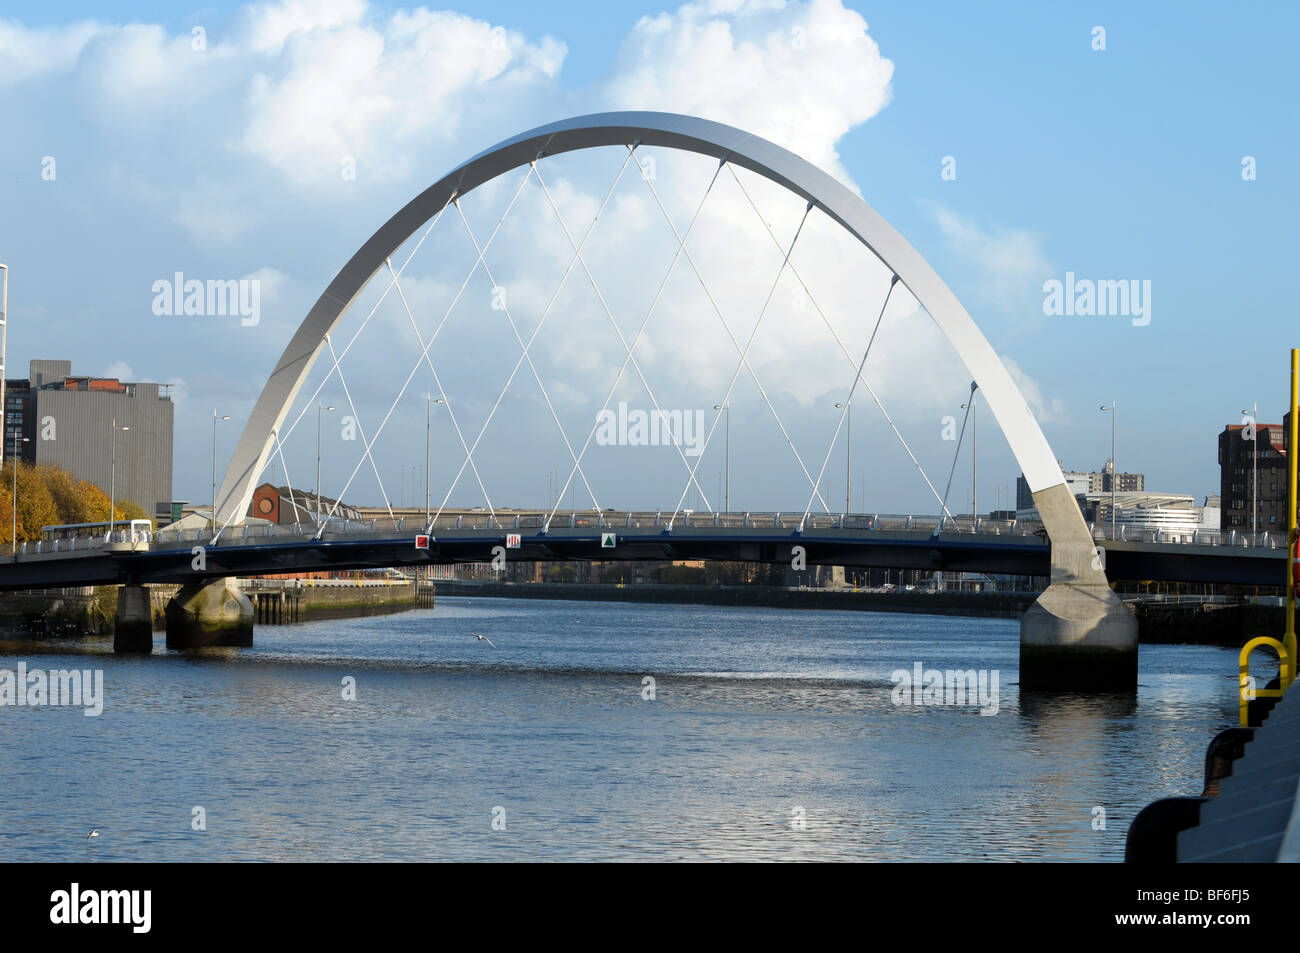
x,y
356,334
844,350
442,321
640,331
464,284
279,448
284,465
451,413
628,349
532,171
857,376
514,329
366,454
955,455
744,352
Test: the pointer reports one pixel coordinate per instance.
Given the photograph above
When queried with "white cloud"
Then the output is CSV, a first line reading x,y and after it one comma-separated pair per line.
x,y
799,74
234,153
1046,410
377,92
268,26
27,53
1011,261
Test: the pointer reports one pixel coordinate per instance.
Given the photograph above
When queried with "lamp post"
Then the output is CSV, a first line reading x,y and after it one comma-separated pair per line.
x,y
215,418
13,462
428,429
1113,407
1254,481
320,407
112,476
974,454
726,493
848,456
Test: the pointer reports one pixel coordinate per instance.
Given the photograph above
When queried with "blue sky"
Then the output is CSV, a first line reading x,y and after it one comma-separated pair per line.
x,y
1117,164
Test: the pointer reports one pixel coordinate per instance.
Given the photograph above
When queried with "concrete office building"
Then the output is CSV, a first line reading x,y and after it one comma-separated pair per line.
x,y
68,422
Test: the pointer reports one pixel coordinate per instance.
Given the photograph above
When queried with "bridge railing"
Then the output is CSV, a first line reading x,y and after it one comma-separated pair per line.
x,y
532,522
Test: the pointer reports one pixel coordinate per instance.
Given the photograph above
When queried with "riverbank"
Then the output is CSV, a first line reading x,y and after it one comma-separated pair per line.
x,y
92,610
1159,623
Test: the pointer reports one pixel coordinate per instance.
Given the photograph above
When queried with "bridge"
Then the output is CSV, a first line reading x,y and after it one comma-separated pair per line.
x,y
962,544
1077,635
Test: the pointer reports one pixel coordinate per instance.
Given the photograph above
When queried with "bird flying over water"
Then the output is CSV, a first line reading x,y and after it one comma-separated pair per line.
x,y
93,833
484,638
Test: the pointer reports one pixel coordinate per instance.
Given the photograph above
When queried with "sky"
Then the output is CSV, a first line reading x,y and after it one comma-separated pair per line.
x,y
1011,144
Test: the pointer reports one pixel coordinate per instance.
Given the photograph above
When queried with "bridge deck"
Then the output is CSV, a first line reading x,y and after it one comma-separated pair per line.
x,y
896,543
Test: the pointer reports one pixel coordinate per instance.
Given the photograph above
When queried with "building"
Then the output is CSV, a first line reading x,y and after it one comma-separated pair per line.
x,y
285,505
70,422
1081,484
1237,474
1175,517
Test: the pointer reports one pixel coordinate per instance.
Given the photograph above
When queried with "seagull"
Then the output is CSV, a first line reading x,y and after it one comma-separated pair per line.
x,y
484,638
93,833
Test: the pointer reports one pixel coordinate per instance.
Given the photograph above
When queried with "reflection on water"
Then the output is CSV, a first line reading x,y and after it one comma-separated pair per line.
x,y
757,712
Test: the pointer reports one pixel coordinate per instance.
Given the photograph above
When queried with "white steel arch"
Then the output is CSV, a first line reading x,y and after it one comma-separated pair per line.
x,y
687,133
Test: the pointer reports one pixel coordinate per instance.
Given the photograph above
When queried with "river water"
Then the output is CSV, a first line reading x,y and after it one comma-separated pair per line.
x,y
771,734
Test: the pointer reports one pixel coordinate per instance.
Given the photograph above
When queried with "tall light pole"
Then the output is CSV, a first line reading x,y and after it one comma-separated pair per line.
x,y
4,343
215,418
320,406
428,429
726,497
1254,453
13,462
1113,407
848,457
974,454
112,476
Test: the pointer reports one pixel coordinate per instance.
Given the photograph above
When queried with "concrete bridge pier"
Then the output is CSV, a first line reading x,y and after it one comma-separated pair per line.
x,y
133,627
1078,635
211,613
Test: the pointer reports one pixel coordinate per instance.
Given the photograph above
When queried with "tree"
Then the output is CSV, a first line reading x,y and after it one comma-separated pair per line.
x,y
70,496
49,496
36,507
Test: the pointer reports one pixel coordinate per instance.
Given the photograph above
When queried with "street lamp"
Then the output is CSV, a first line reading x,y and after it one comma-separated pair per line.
x,y
1113,407
215,418
848,457
112,477
726,498
974,454
1254,453
428,423
320,406
13,462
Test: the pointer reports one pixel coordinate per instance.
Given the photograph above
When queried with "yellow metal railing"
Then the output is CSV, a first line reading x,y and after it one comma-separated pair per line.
x,y
1248,691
